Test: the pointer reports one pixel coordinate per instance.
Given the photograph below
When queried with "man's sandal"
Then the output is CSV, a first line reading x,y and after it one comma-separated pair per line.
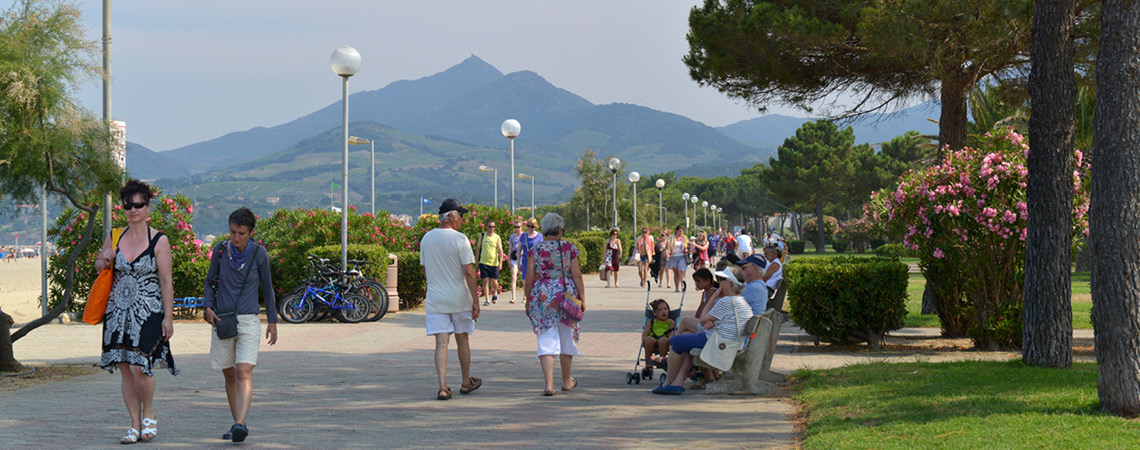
x,y
472,384
150,429
446,394
131,437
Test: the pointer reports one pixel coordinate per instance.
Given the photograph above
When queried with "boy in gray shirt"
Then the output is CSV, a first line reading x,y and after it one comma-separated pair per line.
x,y
238,268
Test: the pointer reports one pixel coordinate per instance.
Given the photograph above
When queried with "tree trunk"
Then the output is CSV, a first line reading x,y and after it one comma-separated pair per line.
x,y
1047,333
8,361
819,227
1114,214
952,123
928,306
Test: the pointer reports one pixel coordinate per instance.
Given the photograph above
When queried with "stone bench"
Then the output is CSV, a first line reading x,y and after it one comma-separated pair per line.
x,y
751,371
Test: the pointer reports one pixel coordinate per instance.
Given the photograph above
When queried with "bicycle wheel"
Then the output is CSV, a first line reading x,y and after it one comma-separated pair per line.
x,y
377,299
355,308
295,308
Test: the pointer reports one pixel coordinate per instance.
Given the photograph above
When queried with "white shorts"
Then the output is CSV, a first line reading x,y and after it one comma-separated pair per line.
x,y
515,265
225,353
557,340
458,323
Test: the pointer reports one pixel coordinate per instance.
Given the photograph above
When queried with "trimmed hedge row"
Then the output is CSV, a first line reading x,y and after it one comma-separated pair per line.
x,y
795,247
374,254
847,299
411,282
594,248
840,245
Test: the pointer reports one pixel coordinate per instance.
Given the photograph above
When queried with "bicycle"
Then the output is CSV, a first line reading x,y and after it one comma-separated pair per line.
x,y
323,277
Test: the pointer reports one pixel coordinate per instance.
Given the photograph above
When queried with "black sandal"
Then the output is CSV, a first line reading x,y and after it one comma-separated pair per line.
x,y
475,383
446,396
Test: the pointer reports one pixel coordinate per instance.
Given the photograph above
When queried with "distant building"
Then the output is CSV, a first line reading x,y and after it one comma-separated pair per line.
x,y
272,200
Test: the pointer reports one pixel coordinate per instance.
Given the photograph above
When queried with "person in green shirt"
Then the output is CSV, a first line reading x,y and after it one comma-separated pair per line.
x,y
490,256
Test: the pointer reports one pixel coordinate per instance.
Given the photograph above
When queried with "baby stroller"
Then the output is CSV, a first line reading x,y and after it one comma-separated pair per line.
x,y
646,373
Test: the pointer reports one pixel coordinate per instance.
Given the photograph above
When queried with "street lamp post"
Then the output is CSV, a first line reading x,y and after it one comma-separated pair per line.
x,y
372,166
720,217
511,130
685,203
496,170
614,164
523,176
345,63
693,198
660,215
633,177
705,209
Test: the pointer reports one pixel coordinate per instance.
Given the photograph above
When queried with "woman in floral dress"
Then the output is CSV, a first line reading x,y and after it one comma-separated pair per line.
x,y
138,323
554,273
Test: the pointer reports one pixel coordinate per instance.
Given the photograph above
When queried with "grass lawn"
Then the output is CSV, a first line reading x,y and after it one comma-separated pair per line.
x,y
959,405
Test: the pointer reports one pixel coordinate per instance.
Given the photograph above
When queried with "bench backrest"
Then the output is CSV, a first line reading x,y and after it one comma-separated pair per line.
x,y
777,300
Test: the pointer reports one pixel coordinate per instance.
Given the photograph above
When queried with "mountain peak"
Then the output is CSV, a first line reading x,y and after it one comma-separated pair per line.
x,y
475,65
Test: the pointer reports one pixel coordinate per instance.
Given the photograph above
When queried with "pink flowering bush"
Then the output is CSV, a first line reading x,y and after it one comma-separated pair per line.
x,y
172,215
830,227
858,231
966,218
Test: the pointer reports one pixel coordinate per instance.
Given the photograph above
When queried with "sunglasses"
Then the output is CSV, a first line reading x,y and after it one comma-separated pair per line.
x,y
127,206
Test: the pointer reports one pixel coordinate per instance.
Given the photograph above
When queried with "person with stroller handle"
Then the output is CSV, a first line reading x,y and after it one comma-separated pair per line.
x,y
656,334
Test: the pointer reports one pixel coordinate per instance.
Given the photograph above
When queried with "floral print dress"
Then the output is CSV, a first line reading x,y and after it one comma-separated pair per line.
x,y
132,326
552,260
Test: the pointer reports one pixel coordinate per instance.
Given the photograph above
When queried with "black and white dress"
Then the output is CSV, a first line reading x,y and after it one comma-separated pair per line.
x,y
132,326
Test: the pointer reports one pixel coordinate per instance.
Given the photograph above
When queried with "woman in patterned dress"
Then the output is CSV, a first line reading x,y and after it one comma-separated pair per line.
x,y
554,273
138,323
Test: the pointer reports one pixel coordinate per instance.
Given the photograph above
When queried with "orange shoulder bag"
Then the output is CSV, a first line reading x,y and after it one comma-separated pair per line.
x,y
101,290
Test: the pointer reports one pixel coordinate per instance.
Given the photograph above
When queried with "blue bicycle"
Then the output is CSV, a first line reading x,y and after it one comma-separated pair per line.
x,y
300,307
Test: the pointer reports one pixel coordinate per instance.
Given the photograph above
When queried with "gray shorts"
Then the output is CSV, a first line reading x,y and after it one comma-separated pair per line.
x,y
676,262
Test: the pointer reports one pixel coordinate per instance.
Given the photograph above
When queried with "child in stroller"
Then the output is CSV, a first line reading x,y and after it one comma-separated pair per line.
x,y
657,332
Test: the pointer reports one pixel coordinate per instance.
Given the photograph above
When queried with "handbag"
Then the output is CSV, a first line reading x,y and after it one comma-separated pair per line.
x,y
571,306
602,272
719,352
100,293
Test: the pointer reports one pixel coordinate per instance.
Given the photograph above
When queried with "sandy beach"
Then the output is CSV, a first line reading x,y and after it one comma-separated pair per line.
x,y
20,288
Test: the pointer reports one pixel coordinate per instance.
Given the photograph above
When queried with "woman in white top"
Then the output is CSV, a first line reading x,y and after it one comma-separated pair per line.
x,y
775,271
728,318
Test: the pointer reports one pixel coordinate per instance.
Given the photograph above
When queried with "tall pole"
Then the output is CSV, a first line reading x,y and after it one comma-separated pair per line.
x,y
496,188
615,197
43,251
106,101
531,197
660,212
344,181
512,177
634,207
372,160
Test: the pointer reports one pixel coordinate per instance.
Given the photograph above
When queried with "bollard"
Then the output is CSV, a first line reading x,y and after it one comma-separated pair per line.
x,y
390,286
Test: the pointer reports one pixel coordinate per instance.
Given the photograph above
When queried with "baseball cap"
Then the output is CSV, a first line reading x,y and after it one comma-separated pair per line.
x,y
754,259
452,204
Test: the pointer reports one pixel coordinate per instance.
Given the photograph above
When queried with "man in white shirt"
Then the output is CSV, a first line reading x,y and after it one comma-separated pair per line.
x,y
743,244
452,302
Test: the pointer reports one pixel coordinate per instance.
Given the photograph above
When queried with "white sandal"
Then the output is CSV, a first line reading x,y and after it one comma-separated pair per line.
x,y
150,426
131,437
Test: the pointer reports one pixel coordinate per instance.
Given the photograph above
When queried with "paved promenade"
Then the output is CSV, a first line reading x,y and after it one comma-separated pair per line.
x,y
332,385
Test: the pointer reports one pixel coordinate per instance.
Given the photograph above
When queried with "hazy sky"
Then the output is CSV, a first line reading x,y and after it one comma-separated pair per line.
x,y
184,72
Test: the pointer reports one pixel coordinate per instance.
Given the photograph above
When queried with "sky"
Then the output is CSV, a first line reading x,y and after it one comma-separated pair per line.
x,y
185,72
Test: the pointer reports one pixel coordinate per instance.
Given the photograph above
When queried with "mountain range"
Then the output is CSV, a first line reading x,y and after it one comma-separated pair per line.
x,y
431,135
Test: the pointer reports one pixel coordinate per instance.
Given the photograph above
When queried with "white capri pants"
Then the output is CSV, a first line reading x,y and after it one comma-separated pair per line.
x,y
558,340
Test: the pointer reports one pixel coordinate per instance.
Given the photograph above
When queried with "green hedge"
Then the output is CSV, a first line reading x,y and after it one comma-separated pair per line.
x,y
840,245
795,247
375,254
583,258
876,243
893,251
189,277
594,248
847,299
411,282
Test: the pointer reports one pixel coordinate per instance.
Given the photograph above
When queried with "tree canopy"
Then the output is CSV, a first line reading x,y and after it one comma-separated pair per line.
x,y
799,53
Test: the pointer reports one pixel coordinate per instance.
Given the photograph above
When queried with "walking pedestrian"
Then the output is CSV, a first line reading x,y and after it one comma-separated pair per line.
x,y
489,253
554,275
139,320
452,299
239,268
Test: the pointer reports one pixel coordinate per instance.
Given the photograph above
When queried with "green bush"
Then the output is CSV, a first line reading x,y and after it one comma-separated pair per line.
x,y
847,299
894,251
795,247
583,259
876,243
594,248
190,277
411,282
840,245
